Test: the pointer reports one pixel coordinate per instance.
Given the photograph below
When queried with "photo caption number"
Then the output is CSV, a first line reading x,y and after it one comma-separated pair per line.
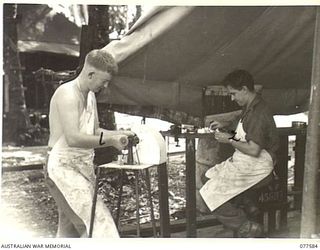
x,y
308,245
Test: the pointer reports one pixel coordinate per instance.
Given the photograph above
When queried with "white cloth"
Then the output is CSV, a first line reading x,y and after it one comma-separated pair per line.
x,y
72,171
151,148
235,175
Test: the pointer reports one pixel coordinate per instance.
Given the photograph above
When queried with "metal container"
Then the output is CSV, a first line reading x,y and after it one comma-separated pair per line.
x,y
299,124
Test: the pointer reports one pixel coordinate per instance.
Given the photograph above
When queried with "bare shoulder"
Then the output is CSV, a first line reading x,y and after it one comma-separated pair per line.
x,y
65,91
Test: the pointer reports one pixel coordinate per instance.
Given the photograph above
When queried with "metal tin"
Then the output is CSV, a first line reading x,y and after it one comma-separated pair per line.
x,y
299,124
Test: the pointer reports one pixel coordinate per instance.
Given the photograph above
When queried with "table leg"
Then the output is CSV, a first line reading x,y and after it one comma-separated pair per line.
x,y
120,198
191,214
94,202
163,200
153,222
137,202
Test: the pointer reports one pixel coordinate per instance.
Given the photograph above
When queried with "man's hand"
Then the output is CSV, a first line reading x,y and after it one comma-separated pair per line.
x,y
127,132
214,125
222,137
120,141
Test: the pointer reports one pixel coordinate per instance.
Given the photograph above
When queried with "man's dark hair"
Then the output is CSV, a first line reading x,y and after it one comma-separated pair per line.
x,y
102,60
239,78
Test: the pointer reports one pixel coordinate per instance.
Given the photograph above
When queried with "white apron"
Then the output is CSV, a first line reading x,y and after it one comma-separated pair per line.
x,y
235,175
72,171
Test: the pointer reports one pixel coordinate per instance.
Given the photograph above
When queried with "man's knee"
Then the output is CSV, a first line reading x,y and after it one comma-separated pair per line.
x,y
228,210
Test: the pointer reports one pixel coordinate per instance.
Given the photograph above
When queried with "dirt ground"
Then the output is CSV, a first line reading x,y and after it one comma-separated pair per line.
x,y
26,205
28,210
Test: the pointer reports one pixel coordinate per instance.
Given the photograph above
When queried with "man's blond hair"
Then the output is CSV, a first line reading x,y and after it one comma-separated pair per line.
x,y
102,60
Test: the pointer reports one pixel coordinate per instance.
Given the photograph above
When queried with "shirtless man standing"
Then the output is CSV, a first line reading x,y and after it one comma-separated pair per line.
x,y
74,133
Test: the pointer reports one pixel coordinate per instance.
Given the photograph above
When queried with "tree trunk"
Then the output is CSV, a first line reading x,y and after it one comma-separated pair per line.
x,y
99,23
15,118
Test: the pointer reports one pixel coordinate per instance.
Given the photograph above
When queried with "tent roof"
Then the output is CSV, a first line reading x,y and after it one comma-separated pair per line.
x,y
172,53
58,48
41,28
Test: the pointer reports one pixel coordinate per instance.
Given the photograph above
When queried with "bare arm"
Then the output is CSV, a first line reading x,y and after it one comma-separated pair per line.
x,y
113,132
222,120
68,106
249,147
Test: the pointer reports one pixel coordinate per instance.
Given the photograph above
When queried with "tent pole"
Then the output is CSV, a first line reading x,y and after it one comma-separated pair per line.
x,y
311,172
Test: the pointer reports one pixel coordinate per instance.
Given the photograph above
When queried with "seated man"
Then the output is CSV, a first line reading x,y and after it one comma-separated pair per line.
x,y
74,133
255,142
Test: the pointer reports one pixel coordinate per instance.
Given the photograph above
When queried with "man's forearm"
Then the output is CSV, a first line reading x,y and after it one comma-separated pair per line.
x,y
248,148
226,118
82,140
107,132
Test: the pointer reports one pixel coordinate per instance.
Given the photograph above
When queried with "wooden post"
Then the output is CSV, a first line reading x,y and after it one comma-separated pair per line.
x,y
300,149
311,174
191,188
282,171
163,201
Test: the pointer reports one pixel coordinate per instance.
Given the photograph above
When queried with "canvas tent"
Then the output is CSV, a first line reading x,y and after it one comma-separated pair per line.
x,y
40,30
172,53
